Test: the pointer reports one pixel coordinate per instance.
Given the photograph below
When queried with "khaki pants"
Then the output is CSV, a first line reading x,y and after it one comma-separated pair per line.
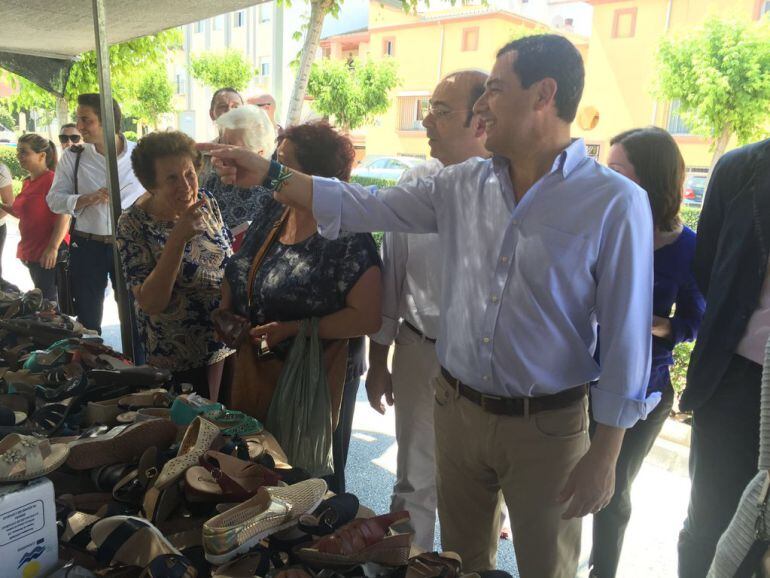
x,y
415,368
528,459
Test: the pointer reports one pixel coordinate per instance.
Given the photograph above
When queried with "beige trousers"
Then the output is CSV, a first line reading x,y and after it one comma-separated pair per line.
x,y
528,459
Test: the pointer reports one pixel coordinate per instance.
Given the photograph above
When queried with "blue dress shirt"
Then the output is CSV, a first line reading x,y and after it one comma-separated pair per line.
x,y
525,284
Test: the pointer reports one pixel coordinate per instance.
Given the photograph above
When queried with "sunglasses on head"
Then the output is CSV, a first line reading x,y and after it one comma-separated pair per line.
x,y
63,138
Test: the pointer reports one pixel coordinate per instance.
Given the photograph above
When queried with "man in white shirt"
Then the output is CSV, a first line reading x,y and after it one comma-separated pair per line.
x,y
80,189
410,316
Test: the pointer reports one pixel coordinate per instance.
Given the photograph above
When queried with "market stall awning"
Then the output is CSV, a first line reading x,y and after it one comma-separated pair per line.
x,y
39,38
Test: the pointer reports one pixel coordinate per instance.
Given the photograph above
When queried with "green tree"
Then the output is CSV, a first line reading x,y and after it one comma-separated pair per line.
x,y
720,73
129,62
318,11
217,70
352,92
154,97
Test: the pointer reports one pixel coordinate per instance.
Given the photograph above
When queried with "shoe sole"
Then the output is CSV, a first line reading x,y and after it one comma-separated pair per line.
x,y
219,559
125,447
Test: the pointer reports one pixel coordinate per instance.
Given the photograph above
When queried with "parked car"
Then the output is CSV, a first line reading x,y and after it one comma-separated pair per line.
x,y
390,168
7,136
694,187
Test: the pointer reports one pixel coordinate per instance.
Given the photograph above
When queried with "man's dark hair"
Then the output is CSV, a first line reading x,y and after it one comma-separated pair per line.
x,y
659,166
550,56
69,125
93,101
223,91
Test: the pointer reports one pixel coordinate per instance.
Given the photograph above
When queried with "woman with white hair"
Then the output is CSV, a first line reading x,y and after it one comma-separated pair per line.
x,y
246,126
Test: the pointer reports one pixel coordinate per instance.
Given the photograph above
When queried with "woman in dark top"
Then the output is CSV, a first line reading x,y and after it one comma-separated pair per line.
x,y
304,275
651,158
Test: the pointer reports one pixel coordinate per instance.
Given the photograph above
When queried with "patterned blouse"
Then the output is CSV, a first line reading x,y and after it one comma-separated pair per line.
x,y
238,205
311,278
182,337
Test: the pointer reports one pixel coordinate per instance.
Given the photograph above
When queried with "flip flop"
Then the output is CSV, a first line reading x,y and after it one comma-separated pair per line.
x,y
25,458
123,444
132,541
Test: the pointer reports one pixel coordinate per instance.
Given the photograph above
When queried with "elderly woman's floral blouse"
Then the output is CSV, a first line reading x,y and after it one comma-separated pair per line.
x,y
182,336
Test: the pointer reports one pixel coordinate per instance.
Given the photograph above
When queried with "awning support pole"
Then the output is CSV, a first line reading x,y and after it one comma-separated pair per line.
x,y
111,159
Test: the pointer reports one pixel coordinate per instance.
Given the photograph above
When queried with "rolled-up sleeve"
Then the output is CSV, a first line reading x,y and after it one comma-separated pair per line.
x,y
395,251
624,311
61,198
407,208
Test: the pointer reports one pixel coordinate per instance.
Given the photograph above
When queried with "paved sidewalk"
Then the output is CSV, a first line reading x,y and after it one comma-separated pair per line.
x,y
660,494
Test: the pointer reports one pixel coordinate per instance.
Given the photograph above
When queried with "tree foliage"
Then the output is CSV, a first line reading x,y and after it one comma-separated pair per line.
x,y
720,73
352,92
218,70
154,96
130,62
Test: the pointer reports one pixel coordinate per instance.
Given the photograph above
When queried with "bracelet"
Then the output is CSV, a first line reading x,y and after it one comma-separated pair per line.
x,y
280,181
273,172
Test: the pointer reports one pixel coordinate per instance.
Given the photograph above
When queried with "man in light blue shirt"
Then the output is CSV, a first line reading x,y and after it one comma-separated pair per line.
x,y
539,245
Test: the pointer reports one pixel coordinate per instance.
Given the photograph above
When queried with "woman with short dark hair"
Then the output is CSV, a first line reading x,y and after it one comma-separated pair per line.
x,y
650,157
173,245
303,275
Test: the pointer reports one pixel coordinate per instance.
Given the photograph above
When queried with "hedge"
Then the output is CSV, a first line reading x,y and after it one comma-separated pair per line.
x,y
368,181
690,216
8,158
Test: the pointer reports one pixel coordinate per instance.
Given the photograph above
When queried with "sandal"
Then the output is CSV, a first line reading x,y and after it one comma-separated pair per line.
x,y
435,565
256,564
25,458
223,478
132,541
185,409
58,419
20,407
146,399
236,531
330,516
362,541
123,444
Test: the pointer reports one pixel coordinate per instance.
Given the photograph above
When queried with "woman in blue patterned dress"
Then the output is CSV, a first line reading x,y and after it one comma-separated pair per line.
x,y
304,275
173,245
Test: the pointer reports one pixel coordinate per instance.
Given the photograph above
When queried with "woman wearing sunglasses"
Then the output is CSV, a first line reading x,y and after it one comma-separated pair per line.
x,y
69,135
42,232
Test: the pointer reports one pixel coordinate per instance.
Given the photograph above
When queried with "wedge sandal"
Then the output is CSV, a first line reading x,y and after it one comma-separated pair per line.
x,y
25,458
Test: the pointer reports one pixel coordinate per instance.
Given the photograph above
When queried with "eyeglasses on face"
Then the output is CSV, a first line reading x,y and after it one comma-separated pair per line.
x,y
439,112
63,138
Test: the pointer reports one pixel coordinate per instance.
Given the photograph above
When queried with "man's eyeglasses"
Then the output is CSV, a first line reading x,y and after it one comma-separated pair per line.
x,y
63,138
439,112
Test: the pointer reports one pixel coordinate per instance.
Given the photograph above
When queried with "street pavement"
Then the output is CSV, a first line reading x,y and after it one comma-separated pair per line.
x,y
659,495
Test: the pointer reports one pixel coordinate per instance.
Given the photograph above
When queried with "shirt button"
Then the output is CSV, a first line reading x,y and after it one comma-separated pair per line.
x,y
485,378
494,298
486,340
503,259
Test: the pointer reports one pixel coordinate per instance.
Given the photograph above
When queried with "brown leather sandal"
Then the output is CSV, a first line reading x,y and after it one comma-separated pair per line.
x,y
223,478
362,541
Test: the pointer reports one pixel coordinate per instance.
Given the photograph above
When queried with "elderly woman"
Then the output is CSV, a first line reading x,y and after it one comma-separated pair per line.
x,y
250,127
304,275
173,246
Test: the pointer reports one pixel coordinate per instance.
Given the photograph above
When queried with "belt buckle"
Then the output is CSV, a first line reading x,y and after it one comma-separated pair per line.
x,y
487,399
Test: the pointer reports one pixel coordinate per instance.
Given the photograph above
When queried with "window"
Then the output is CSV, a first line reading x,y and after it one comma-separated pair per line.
x,y
264,68
410,112
389,46
198,27
180,80
676,124
265,12
470,39
218,23
239,19
624,23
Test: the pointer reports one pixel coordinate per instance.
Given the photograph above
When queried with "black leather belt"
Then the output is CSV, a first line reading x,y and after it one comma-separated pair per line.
x,y
106,239
514,406
418,332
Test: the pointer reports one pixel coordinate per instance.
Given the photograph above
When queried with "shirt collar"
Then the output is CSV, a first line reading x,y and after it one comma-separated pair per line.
x,y
565,162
